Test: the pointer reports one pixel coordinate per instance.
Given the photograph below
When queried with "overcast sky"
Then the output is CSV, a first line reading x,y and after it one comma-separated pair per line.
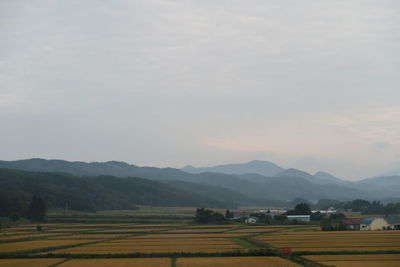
x,y
306,84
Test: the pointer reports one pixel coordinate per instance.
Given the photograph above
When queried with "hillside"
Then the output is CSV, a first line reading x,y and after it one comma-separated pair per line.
x,y
243,189
94,193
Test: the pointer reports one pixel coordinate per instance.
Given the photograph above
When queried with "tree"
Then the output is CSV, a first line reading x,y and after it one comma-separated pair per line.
x,y
317,216
281,217
14,216
37,209
337,216
300,209
208,216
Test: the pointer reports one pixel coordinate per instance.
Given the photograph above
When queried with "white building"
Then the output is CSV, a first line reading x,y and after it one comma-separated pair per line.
x,y
251,220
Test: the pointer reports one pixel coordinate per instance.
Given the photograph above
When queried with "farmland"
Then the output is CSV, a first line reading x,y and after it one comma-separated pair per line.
x,y
235,261
300,241
387,260
93,242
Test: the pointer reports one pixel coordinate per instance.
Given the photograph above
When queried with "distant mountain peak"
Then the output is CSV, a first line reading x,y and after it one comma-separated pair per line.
x,y
118,163
324,176
293,173
261,167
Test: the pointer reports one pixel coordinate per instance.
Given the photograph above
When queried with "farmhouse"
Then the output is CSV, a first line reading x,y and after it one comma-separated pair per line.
x,y
373,224
302,218
352,224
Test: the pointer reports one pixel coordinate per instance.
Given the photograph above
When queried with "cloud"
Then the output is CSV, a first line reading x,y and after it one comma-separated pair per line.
x,y
159,82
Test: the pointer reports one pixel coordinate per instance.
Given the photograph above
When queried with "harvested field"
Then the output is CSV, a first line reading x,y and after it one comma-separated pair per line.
x,y
28,262
146,262
87,236
10,237
69,230
212,226
154,246
204,230
384,260
254,230
37,244
183,235
335,241
7,233
129,230
234,261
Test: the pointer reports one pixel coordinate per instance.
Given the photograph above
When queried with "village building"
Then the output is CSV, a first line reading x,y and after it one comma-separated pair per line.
x,y
353,224
240,216
373,224
251,220
393,221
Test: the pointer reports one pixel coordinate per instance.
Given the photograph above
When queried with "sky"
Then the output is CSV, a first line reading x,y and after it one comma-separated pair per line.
x,y
307,84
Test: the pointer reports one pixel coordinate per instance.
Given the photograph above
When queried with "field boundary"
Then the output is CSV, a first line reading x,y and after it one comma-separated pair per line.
x,y
251,252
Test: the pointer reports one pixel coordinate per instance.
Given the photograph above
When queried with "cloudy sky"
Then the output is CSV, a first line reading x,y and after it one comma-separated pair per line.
x,y
306,84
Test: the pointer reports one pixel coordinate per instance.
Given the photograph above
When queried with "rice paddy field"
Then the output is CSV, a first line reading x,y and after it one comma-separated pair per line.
x,y
178,244
235,261
155,245
300,241
387,260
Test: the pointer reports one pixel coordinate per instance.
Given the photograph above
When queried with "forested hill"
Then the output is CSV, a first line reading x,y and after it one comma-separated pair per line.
x,y
92,193
239,189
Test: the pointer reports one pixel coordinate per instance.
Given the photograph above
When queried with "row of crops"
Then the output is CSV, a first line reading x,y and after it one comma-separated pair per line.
x,y
194,245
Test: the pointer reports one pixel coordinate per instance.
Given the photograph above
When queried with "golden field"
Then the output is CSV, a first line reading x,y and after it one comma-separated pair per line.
x,y
254,230
203,230
212,226
138,262
380,260
128,230
235,261
134,245
28,262
37,244
127,238
197,235
335,241
87,236
33,235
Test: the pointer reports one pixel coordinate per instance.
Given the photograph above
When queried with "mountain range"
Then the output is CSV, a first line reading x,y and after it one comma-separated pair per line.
x,y
251,183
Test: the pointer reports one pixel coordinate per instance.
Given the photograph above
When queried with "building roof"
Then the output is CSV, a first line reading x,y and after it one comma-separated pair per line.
x,y
367,220
353,221
392,219
298,216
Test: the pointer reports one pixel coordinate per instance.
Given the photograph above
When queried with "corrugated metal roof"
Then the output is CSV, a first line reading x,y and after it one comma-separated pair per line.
x,y
392,219
353,221
367,220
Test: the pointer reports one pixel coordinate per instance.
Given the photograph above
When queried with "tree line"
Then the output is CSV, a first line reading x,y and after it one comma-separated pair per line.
x,y
367,207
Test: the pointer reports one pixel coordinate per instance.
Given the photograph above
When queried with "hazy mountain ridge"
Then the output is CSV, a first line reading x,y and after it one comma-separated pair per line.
x,y
251,169
285,185
265,168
